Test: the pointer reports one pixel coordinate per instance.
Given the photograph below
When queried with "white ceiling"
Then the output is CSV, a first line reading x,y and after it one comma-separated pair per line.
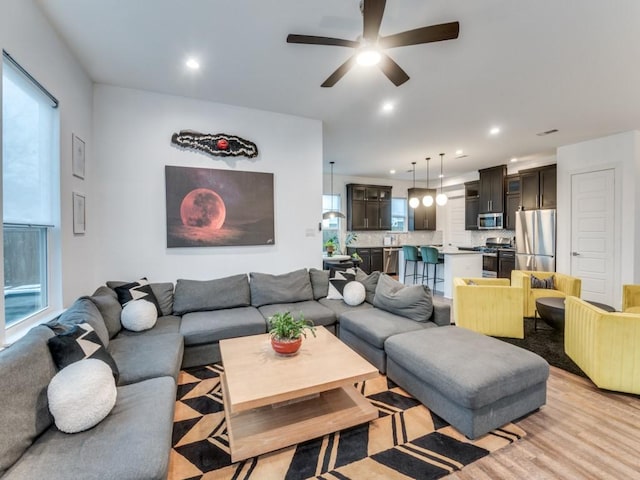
x,y
524,65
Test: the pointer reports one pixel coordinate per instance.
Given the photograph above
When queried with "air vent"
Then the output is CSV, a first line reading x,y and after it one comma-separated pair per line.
x,y
548,132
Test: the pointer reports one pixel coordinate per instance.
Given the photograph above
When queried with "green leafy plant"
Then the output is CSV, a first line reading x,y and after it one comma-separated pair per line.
x,y
283,326
331,245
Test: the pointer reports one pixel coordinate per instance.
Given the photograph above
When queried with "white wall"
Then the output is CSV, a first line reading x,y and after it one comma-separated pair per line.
x,y
133,144
27,36
622,153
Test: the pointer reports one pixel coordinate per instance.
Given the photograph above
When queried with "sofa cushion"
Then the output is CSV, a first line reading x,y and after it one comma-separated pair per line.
x,y
147,356
83,310
286,288
166,324
310,310
81,395
338,282
139,315
26,368
374,326
107,302
200,328
140,290
107,450
370,282
319,283
77,343
547,283
218,294
413,301
163,292
338,307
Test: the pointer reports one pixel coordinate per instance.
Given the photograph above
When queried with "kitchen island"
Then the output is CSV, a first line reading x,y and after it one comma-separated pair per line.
x,y
457,263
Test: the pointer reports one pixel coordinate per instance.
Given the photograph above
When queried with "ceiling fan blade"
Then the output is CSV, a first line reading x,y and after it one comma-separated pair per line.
x,y
372,13
312,40
340,72
392,70
432,33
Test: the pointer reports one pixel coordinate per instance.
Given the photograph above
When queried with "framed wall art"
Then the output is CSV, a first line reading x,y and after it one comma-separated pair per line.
x,y
79,214
77,157
209,207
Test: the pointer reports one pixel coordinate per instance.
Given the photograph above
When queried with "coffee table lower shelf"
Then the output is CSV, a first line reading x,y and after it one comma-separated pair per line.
x,y
265,429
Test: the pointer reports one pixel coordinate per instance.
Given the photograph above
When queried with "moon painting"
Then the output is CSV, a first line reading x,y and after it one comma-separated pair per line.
x,y
210,207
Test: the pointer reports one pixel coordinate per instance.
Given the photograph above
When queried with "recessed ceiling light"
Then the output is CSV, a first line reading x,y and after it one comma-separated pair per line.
x,y
387,107
392,171
368,57
514,159
193,64
494,130
459,152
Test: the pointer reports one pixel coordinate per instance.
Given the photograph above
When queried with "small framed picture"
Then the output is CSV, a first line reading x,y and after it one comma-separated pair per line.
x,y
77,166
79,214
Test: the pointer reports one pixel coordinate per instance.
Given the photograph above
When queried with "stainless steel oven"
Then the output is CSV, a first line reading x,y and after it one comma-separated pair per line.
x,y
490,221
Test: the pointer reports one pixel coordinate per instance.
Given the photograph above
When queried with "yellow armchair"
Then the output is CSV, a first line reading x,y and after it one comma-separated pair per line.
x,y
491,306
631,298
604,345
565,285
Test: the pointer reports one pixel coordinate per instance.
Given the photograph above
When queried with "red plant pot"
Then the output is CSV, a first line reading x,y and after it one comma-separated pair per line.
x,y
286,347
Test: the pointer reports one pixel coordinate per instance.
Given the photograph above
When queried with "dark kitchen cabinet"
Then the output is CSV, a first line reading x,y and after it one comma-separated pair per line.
x,y
538,187
491,189
372,257
471,202
506,263
368,207
512,200
422,218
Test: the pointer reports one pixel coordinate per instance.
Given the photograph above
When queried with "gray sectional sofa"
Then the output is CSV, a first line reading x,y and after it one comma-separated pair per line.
x,y
134,440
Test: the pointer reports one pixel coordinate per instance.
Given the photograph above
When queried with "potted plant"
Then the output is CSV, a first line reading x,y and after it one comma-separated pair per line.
x,y
287,332
331,245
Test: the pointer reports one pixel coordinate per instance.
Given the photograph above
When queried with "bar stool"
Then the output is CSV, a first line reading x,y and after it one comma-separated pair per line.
x,y
430,256
411,255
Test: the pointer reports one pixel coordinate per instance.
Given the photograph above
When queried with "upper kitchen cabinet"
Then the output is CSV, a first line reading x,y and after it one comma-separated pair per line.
x,y
538,188
368,207
421,217
471,200
491,189
512,200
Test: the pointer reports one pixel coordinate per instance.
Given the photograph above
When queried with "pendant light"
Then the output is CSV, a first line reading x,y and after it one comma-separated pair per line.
x,y
441,198
414,201
427,200
332,213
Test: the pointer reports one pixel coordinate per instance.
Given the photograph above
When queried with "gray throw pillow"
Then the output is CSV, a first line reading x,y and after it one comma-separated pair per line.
x,y
286,288
413,302
107,302
83,310
319,283
218,294
547,283
370,283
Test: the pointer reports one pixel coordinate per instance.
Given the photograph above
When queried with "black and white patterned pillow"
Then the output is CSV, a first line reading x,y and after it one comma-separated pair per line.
x,y
140,290
78,343
339,280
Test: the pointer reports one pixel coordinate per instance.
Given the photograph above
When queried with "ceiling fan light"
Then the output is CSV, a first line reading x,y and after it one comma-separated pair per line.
x,y
441,199
414,202
427,200
368,57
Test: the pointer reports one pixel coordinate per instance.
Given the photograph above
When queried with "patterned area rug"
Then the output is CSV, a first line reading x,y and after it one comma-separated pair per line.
x,y
406,441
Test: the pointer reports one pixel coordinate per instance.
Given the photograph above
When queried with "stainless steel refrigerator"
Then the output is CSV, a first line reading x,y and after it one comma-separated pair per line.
x,y
536,240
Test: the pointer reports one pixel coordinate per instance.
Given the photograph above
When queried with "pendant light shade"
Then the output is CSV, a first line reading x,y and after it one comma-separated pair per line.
x,y
441,198
414,201
427,200
332,213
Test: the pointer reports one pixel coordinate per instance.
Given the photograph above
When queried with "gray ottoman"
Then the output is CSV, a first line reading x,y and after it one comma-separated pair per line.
x,y
474,382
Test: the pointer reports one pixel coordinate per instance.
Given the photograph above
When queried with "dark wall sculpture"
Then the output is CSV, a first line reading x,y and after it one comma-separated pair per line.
x,y
218,144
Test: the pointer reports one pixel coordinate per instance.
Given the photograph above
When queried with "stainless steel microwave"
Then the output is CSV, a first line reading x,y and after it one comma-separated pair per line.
x,y
490,221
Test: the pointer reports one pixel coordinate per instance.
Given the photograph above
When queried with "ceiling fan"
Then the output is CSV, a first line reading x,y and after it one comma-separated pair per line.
x,y
369,48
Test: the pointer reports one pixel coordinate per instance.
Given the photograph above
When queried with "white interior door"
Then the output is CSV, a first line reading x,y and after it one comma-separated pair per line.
x,y
454,232
592,233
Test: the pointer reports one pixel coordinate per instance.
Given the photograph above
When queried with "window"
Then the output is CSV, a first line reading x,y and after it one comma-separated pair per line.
x,y
30,193
399,214
330,226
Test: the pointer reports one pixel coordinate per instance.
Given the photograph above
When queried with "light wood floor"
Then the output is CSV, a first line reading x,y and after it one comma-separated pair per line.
x,y
581,433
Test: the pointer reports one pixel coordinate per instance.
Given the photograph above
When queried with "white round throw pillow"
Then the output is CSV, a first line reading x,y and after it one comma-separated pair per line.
x,y
354,293
139,315
81,395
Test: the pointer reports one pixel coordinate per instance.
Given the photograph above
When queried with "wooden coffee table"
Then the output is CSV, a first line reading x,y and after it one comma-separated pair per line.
x,y
271,401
